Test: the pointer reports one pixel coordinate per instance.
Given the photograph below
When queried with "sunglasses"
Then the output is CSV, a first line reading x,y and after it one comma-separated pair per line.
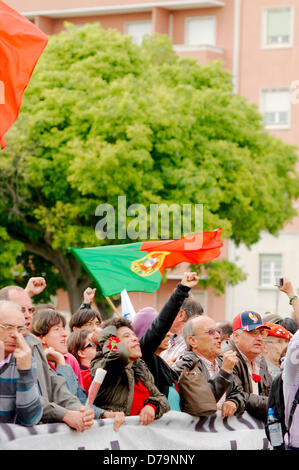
x,y
89,345
213,331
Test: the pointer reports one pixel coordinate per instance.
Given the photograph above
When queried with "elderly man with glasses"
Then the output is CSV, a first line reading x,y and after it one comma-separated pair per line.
x,y
59,404
203,340
19,397
251,371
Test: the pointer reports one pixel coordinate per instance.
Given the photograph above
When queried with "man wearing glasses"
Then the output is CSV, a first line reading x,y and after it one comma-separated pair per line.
x,y
203,340
59,404
19,396
251,371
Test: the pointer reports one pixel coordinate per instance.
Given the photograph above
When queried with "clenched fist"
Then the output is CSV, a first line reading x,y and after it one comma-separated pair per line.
x,y
88,295
228,408
229,361
190,279
35,286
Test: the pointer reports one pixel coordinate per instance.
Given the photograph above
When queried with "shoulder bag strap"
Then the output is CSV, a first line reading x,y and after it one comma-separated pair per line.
x,y
293,408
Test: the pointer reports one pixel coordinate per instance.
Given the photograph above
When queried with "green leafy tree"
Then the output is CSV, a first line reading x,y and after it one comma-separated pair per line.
x,y
103,117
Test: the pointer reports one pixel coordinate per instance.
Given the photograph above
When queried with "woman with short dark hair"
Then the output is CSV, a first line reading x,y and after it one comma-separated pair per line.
x,y
128,385
86,319
49,326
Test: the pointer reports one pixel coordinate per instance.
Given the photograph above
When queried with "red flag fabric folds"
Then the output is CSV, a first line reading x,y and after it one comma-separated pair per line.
x,y
21,44
195,249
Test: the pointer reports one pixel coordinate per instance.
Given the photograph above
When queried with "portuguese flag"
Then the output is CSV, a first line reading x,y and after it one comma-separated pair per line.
x,y
21,44
138,267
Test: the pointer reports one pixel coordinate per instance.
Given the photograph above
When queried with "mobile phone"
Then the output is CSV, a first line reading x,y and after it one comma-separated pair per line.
x,y
279,282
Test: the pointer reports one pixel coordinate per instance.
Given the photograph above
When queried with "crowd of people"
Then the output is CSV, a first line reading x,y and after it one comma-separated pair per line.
x,y
47,366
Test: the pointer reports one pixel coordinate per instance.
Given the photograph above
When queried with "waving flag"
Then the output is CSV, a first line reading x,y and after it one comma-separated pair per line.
x,y
139,267
21,44
127,309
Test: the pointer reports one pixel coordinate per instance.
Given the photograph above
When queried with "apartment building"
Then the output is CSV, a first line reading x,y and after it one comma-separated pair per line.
x,y
257,40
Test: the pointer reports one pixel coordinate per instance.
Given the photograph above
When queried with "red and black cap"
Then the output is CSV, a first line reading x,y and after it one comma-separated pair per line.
x,y
248,321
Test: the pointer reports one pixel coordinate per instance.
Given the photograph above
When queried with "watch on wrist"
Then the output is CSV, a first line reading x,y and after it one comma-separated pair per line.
x,y
292,298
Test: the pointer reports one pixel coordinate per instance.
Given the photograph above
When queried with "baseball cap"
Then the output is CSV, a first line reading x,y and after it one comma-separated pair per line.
x,y
248,321
271,317
278,330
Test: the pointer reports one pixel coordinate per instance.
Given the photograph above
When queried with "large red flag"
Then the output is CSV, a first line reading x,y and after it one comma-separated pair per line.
x,y
21,44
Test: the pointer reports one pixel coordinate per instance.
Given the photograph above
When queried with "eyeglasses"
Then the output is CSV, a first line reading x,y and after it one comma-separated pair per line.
x,y
30,310
11,328
258,332
89,345
213,331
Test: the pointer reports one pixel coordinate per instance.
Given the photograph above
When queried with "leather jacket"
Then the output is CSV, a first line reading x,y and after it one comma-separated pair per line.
x,y
256,405
117,390
222,382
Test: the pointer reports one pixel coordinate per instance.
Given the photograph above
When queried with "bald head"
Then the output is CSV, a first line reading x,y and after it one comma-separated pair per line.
x,y
5,291
202,337
19,296
6,305
199,323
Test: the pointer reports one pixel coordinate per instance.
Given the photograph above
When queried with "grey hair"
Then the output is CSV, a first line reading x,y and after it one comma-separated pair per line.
x,y
5,291
239,330
188,330
191,307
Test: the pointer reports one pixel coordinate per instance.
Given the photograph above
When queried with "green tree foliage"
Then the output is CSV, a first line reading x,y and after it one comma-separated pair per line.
x,y
103,117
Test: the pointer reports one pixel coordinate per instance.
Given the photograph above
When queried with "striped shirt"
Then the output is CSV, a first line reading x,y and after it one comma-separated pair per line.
x,y
19,396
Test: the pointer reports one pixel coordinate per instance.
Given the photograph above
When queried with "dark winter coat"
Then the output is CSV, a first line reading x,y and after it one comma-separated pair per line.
x,y
256,405
117,390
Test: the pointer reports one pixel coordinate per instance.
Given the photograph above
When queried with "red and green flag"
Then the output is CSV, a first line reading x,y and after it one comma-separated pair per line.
x,y
139,267
21,44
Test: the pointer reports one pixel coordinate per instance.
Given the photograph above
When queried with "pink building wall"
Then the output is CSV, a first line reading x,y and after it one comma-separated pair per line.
x,y
267,68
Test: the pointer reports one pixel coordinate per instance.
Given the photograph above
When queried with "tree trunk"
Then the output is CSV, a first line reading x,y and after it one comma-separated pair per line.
x,y
75,297
69,269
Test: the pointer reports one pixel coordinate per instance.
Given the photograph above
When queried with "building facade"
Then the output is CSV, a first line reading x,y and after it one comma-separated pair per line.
x,y
258,41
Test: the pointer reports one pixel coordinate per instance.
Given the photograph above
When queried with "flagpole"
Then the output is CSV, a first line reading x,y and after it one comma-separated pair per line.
x,y
113,306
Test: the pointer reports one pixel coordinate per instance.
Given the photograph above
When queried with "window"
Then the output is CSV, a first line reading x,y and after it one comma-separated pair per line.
x,y
270,269
276,107
138,29
278,27
201,31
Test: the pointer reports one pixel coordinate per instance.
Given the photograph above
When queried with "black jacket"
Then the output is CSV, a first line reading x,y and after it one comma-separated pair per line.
x,y
152,338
